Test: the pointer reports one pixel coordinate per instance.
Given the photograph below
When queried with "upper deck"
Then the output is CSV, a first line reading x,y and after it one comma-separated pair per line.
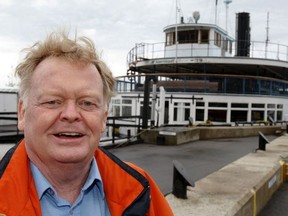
x,y
207,48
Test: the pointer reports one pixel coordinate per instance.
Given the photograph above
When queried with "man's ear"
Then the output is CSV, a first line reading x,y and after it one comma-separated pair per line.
x,y
104,122
21,114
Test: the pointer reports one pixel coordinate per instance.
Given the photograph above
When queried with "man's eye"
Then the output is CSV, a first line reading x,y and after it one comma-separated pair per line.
x,y
87,105
51,104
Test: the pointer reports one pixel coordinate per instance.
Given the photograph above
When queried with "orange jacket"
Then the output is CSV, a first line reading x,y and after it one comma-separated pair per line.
x,y
128,189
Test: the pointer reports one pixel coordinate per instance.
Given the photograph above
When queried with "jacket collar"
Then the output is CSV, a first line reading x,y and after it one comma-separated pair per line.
x,y
18,184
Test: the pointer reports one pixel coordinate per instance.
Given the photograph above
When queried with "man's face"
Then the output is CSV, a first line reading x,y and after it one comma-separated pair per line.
x,y
65,113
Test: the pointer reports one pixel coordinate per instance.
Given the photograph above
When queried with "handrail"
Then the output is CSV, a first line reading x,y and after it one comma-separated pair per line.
x,y
262,50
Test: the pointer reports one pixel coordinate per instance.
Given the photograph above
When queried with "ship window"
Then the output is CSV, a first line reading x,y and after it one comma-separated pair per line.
x,y
258,105
239,105
271,114
212,104
279,115
204,36
230,46
257,115
170,38
217,115
280,106
199,114
225,44
217,39
271,105
238,115
115,101
126,111
251,86
234,85
116,110
126,101
186,113
190,36
200,104
175,114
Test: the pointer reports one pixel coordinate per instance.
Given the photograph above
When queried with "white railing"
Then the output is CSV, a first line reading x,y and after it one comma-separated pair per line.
x,y
145,51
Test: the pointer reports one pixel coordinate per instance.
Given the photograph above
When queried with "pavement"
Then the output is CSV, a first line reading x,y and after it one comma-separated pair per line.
x,y
200,158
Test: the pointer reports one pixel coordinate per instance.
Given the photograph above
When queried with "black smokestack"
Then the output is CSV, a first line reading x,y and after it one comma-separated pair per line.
x,y
243,34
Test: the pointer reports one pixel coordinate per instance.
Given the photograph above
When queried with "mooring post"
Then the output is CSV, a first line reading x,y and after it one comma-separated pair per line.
x,y
180,181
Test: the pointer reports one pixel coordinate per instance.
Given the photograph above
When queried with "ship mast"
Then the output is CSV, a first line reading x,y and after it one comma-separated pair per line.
x,y
227,2
267,35
176,30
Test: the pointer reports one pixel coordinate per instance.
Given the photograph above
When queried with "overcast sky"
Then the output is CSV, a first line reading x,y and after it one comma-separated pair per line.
x,y
117,25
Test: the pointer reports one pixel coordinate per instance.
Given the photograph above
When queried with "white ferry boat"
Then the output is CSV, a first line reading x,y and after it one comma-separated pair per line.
x,y
200,74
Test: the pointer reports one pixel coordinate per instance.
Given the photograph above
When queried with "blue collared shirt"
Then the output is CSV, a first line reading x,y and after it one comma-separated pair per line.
x,y
91,200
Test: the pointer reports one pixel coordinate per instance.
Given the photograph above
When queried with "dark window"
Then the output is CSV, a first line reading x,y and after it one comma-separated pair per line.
x,y
238,115
217,115
175,114
214,104
126,111
280,106
258,105
204,36
190,36
239,105
279,115
251,86
257,115
234,85
199,114
187,114
200,104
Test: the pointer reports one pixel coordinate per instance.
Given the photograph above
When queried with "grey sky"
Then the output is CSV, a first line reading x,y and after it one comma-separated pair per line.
x,y
117,25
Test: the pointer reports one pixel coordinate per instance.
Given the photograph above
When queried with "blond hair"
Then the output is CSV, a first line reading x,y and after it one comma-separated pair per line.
x,y
58,44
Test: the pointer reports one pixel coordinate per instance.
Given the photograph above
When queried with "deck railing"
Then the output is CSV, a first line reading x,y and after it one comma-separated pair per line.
x,y
257,49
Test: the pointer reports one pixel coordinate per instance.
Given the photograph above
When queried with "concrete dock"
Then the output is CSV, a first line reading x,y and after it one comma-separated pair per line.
x,y
231,178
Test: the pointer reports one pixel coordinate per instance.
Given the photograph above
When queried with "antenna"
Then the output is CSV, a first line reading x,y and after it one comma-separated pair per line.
x,y
267,35
216,3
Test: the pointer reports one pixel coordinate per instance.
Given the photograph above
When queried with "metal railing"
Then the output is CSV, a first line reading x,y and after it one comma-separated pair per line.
x,y
9,132
115,123
257,49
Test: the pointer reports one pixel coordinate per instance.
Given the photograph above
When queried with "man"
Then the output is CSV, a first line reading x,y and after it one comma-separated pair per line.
x,y
58,168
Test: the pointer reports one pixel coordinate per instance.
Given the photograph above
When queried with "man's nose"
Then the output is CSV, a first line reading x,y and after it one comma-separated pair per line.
x,y
70,112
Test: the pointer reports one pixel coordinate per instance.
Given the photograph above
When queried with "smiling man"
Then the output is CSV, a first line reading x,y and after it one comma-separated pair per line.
x,y
58,169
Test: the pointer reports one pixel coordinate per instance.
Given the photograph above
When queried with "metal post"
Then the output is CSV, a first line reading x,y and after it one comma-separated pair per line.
x,y
180,181
146,102
113,132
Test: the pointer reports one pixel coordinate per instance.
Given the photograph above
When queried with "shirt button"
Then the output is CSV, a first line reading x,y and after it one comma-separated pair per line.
x,y
51,192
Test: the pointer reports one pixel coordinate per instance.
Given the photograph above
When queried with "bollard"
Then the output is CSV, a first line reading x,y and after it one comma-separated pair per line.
x,y
262,142
180,181
128,134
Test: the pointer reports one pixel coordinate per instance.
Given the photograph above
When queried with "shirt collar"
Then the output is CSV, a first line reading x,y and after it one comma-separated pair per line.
x,y
42,184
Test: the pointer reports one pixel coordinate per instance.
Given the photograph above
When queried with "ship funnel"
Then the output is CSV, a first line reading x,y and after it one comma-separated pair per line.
x,y
243,34
196,16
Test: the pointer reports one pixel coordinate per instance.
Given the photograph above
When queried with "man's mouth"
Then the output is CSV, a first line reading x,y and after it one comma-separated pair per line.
x,y
69,134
